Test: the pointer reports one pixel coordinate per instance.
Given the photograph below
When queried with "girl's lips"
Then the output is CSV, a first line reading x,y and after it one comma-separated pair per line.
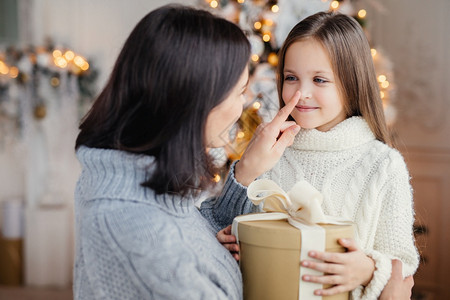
x,y
304,108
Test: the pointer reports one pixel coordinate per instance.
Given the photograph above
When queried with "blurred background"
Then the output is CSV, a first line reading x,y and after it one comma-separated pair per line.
x,y
55,56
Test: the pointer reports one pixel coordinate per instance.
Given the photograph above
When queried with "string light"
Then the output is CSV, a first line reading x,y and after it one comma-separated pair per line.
x,y
60,62
334,5
13,72
257,25
240,135
273,59
362,13
373,52
81,63
214,4
256,105
275,8
216,178
381,78
78,60
54,81
266,37
255,57
240,1
268,22
69,55
85,66
33,58
63,60
57,53
4,69
43,64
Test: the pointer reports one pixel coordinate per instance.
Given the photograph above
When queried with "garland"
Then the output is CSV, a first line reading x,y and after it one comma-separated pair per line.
x,y
25,72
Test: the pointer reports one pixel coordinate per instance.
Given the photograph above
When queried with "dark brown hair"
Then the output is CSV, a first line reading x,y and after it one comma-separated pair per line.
x,y
177,64
349,51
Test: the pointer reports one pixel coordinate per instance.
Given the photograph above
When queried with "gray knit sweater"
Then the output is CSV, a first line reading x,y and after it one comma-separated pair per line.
x,y
133,244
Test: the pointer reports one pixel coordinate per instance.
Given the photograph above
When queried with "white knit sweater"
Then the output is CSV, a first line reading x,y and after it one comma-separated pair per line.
x,y
363,180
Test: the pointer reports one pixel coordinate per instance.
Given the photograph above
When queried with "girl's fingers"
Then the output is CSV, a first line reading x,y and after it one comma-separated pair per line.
x,y
332,257
331,279
337,289
350,244
225,236
232,247
323,267
227,230
397,269
226,239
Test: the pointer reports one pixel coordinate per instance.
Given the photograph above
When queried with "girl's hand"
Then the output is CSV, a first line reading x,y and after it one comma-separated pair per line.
x,y
229,241
343,271
268,144
397,288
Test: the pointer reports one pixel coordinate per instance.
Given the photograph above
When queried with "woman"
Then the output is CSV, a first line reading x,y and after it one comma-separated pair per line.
x,y
176,88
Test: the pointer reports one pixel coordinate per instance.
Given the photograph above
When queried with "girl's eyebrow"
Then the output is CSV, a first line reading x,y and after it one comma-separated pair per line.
x,y
313,72
323,72
288,70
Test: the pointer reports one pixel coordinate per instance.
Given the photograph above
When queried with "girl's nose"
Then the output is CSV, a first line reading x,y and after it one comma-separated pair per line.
x,y
306,94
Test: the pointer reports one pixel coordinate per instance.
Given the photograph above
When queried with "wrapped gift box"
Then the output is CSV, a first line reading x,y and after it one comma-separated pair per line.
x,y
270,258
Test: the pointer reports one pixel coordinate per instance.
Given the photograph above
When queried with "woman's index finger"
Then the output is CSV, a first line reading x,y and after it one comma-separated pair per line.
x,y
286,110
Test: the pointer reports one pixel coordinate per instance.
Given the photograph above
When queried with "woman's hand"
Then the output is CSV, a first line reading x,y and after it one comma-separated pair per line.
x,y
397,288
343,271
229,241
268,144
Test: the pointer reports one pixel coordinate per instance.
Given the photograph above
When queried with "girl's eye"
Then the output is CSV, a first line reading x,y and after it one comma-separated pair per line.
x,y
320,80
289,78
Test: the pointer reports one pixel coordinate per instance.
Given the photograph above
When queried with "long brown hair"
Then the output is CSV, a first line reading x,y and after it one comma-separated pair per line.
x,y
349,52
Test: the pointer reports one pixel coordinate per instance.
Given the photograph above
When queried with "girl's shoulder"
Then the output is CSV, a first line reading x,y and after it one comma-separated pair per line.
x,y
389,161
392,155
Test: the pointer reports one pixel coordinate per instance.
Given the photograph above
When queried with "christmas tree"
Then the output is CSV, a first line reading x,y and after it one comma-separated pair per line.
x,y
266,24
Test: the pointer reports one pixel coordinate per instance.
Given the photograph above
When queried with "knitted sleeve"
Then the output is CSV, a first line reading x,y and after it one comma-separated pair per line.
x,y
394,237
124,260
232,202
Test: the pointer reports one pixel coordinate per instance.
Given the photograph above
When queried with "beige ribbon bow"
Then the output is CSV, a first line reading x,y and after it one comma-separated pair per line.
x,y
302,203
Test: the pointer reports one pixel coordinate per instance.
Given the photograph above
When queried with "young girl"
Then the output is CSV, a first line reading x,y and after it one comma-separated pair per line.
x,y
344,151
